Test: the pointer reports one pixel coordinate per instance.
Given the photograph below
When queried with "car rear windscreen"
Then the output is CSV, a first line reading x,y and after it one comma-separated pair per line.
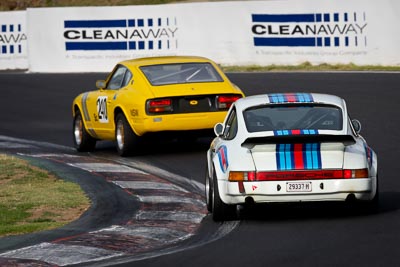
x,y
293,117
181,73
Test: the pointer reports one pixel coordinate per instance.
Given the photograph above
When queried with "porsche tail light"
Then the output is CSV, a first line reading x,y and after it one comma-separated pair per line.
x,y
359,173
241,176
298,175
225,101
156,106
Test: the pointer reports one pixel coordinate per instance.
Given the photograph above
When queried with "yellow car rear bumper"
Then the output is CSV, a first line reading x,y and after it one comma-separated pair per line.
x,y
178,122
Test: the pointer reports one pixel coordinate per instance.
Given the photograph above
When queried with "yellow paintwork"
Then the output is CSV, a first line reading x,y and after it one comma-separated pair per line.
x,y
131,100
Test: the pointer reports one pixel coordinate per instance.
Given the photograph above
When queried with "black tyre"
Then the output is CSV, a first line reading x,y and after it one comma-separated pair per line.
x,y
370,206
208,191
373,206
83,142
127,140
220,210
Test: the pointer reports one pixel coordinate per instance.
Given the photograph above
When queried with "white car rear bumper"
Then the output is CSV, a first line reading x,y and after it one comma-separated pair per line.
x,y
285,191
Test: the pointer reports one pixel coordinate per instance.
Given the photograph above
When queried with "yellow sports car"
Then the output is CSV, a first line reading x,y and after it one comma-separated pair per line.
x,y
156,94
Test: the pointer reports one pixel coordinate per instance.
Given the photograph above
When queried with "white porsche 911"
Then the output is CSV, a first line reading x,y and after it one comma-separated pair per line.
x,y
295,147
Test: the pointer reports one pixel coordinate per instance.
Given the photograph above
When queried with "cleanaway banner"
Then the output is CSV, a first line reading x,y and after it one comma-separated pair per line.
x,y
90,39
13,40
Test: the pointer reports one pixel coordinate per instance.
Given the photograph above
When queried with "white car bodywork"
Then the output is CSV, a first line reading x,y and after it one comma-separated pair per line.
x,y
293,165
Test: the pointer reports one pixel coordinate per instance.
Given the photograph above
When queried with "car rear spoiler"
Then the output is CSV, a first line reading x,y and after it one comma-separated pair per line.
x,y
346,140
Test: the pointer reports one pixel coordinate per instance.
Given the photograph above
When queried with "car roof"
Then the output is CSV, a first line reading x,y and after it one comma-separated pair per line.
x,y
163,60
289,98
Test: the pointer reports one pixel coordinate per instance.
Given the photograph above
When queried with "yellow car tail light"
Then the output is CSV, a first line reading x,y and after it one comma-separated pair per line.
x,y
225,101
156,106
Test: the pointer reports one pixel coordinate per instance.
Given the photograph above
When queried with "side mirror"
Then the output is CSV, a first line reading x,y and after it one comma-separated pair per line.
x,y
219,129
356,125
100,84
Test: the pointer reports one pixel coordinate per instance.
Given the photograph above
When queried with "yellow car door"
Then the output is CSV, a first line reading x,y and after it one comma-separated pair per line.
x,y
103,102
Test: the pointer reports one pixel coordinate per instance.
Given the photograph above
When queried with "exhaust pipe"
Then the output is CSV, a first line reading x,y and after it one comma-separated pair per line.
x,y
351,198
249,201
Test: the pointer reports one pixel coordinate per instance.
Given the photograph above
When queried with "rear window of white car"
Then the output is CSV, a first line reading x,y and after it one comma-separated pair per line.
x,y
293,117
181,73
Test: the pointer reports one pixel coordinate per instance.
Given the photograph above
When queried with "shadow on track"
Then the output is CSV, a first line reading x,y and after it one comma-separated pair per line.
x,y
389,202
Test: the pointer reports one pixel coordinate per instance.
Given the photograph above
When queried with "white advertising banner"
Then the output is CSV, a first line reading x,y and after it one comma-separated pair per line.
x,y
91,39
13,40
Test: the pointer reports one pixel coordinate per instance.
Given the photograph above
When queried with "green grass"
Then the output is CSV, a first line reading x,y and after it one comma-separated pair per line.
x,y
7,5
32,200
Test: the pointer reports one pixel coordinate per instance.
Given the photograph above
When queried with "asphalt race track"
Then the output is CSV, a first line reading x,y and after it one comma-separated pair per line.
x,y
38,107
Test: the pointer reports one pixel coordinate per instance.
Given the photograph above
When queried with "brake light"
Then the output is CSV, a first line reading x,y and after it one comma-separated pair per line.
x,y
159,105
298,175
241,176
226,101
358,173
347,174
